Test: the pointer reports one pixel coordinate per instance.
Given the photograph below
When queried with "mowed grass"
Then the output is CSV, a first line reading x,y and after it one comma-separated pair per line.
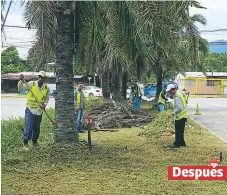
x,y
120,163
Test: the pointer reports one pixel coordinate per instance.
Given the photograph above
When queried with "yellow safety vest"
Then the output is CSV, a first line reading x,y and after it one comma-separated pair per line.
x,y
40,95
78,97
162,100
184,112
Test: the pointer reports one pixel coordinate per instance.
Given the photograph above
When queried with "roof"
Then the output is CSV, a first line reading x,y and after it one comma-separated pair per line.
x,y
207,74
194,74
216,74
30,75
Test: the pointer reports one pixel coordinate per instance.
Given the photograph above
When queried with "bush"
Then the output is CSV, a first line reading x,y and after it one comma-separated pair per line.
x,y
92,102
12,131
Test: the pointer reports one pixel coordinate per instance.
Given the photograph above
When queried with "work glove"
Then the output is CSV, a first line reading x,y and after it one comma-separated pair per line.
x,y
21,77
43,106
168,100
75,108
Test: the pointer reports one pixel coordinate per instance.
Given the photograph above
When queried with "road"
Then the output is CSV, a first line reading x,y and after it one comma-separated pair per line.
x,y
213,114
15,107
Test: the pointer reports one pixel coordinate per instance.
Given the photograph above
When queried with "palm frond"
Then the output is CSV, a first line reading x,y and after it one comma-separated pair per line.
x,y
199,18
41,15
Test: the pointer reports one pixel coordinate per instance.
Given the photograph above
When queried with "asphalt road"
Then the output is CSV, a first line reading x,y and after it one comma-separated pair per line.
x,y
213,114
15,107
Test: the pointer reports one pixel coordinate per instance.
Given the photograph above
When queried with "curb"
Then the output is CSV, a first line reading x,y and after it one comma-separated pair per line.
x,y
5,96
209,130
207,96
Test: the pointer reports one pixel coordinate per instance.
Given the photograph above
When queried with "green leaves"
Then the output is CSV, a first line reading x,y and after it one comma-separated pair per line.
x,y
41,16
109,34
11,62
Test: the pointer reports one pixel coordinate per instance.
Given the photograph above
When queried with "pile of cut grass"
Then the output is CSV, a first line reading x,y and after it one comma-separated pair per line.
x,y
160,123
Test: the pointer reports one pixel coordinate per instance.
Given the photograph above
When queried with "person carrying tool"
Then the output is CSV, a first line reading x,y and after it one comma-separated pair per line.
x,y
185,94
162,101
79,106
136,96
180,115
37,90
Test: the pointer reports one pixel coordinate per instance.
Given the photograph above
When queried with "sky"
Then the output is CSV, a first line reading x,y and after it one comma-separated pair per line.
x,y
215,14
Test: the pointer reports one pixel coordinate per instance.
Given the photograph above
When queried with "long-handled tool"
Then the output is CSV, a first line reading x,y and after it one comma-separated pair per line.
x,y
187,97
38,102
89,120
167,130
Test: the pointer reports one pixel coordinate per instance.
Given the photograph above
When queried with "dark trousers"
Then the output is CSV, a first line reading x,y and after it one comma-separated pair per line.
x,y
179,132
32,126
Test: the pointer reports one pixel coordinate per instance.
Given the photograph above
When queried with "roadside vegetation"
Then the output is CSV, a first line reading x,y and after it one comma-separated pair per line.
x,y
129,161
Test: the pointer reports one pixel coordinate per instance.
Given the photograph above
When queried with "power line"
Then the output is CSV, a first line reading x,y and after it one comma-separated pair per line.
x,y
14,26
215,30
206,33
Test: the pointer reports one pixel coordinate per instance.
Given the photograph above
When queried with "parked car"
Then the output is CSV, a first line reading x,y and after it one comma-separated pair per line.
x,y
151,88
24,92
92,91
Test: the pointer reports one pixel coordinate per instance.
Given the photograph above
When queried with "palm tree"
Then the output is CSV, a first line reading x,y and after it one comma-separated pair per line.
x,y
54,23
114,38
64,129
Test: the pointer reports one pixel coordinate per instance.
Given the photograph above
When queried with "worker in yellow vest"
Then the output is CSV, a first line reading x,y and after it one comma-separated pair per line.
x,y
180,115
162,101
33,112
185,94
79,106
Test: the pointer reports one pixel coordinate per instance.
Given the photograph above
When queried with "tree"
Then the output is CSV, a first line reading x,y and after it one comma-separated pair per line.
x,y
64,128
11,62
216,62
113,39
54,22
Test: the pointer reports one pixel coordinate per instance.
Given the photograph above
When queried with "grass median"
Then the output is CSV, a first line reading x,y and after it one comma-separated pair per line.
x,y
120,162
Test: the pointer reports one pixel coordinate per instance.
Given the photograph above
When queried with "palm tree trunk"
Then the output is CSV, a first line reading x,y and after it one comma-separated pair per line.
x,y
139,64
117,81
117,88
124,84
105,85
64,122
159,74
159,78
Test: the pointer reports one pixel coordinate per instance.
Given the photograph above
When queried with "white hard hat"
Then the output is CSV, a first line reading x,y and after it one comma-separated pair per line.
x,y
170,86
42,73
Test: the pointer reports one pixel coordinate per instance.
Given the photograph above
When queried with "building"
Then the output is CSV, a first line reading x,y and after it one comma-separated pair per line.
x,y
199,83
9,81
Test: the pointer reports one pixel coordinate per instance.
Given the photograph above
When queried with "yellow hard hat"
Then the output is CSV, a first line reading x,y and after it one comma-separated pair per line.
x,y
42,73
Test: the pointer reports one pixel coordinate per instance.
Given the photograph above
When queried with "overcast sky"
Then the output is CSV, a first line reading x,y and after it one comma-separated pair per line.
x,y
216,15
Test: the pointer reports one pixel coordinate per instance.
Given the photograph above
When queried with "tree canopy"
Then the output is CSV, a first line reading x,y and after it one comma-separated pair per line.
x,y
11,61
216,62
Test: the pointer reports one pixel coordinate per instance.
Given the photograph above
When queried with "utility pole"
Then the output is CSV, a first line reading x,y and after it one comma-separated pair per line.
x,y
6,15
7,12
